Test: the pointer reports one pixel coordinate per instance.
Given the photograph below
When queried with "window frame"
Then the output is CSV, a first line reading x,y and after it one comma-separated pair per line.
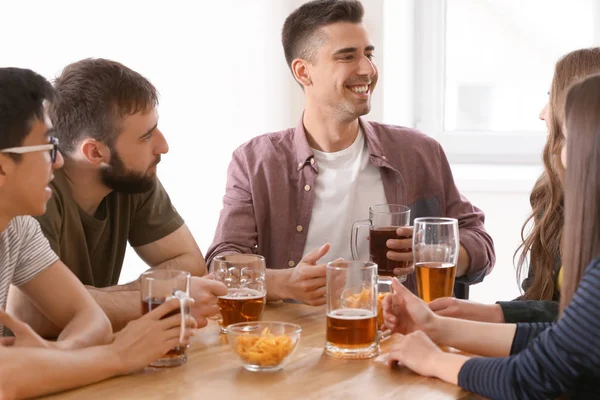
x,y
428,95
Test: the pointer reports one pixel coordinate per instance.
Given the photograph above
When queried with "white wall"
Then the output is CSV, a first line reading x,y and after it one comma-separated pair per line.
x,y
222,76
218,66
502,192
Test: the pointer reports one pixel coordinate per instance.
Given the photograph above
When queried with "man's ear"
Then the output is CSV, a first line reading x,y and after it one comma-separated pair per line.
x,y
301,71
7,167
94,152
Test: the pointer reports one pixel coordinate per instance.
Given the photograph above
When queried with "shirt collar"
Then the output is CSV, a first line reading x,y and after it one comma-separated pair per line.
x,y
305,155
374,145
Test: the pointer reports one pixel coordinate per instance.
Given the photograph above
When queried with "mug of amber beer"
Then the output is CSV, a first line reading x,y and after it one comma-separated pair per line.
x,y
244,276
351,310
161,285
435,251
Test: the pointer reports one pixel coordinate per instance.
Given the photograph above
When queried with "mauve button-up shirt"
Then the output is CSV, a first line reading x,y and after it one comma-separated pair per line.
x,y
269,194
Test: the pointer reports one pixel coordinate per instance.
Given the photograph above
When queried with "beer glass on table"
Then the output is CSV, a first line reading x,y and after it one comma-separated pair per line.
x,y
384,220
159,286
435,251
244,276
351,310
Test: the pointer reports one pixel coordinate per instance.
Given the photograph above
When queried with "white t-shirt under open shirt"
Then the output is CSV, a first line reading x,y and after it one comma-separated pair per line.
x,y
346,186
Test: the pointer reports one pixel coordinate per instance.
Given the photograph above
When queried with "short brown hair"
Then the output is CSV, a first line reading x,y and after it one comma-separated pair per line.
x,y
94,96
300,32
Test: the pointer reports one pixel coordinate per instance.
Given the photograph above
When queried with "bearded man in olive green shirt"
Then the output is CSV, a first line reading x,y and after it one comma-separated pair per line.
x,y
107,194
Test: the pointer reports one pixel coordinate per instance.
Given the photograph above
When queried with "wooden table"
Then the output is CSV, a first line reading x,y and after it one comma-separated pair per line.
x,y
213,371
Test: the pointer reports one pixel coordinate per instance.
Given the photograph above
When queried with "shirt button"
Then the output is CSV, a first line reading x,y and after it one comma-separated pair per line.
x,y
307,188
312,160
291,263
300,165
299,228
384,157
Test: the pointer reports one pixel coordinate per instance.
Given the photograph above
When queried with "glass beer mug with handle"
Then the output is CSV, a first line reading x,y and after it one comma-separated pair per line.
x,y
244,275
159,286
435,251
351,309
384,220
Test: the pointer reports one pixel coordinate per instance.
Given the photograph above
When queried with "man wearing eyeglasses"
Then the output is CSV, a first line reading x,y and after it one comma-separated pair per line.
x,y
31,366
28,160
107,194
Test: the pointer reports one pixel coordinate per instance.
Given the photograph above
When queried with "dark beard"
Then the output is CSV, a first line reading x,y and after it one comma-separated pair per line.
x,y
118,178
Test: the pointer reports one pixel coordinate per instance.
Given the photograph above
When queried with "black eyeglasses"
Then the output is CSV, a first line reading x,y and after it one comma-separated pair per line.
x,y
52,147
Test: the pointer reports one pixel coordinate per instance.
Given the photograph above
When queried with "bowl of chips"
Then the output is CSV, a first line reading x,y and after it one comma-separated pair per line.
x,y
263,345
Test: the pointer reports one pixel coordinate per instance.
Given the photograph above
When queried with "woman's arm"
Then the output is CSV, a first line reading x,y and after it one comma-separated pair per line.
x,y
405,313
564,358
529,310
482,338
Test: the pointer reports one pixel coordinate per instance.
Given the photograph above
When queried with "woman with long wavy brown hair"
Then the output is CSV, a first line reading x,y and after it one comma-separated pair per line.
x,y
539,253
527,360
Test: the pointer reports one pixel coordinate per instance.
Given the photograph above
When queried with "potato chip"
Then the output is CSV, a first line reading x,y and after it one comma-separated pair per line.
x,y
380,298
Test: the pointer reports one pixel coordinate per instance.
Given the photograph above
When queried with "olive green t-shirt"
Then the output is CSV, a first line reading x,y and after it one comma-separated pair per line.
x,y
93,247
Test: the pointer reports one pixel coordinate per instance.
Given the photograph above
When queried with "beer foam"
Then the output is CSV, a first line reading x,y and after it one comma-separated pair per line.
x,y
245,293
352,313
440,265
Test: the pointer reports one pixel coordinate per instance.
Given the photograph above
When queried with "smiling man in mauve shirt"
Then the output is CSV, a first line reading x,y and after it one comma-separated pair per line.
x,y
292,196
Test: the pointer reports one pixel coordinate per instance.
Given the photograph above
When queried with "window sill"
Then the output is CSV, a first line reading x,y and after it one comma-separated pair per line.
x,y
496,178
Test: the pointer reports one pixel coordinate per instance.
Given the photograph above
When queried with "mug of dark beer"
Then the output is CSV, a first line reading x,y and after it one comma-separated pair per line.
x,y
159,286
383,222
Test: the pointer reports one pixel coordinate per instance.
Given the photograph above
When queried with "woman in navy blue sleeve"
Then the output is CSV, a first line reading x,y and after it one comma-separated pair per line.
x,y
528,360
